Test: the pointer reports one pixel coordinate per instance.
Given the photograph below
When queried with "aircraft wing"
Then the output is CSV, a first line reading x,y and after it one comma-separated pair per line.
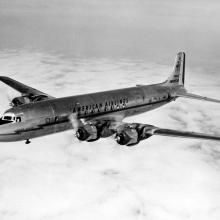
x,y
22,88
194,96
112,117
152,130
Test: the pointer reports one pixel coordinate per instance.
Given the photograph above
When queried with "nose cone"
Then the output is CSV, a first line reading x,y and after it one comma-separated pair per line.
x,y
120,139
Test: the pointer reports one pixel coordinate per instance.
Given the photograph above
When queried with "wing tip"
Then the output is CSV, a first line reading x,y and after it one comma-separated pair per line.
x,y
4,77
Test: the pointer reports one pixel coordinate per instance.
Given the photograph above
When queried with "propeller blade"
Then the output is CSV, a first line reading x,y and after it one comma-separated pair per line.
x,y
10,98
76,123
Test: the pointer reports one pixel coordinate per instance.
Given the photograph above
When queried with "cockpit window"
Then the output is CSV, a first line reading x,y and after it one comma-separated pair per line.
x,y
9,118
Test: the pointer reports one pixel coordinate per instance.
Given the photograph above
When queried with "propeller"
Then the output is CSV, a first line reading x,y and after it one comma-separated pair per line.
x,y
10,95
80,133
10,98
74,121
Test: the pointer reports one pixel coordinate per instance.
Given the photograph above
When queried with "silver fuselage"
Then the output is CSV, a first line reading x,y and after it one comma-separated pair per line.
x,y
51,116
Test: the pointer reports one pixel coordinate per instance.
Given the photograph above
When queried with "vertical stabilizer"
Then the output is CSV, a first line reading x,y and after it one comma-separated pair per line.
x,y
177,78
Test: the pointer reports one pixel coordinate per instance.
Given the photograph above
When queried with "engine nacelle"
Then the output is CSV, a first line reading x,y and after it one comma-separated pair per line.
x,y
128,136
19,101
87,133
92,132
131,134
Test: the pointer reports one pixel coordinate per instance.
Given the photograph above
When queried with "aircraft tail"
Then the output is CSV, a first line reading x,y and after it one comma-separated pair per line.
x,y
177,78
184,94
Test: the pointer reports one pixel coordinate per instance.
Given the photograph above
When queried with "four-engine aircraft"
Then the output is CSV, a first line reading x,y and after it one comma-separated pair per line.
x,y
96,115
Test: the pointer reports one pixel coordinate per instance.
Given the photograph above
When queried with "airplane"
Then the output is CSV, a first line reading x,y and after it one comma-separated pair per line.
x,y
95,115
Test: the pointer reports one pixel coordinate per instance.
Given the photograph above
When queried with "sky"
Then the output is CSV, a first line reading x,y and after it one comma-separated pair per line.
x,y
152,30
72,47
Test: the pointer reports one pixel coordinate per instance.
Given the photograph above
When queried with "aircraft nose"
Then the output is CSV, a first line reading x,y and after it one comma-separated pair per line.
x,y
7,133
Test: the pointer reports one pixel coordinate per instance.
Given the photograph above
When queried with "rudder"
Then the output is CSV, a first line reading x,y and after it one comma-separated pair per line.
x,y
177,78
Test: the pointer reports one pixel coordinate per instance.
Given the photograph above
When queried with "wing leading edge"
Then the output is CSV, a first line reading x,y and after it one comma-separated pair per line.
x,y
22,88
152,130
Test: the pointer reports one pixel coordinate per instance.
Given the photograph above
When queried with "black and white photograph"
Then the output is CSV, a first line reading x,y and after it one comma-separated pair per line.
x,y
110,109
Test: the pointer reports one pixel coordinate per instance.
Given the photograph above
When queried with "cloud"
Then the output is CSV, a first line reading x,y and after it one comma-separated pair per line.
x,y
56,177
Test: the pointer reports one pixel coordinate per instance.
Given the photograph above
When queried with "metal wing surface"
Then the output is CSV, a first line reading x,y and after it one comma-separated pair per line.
x,y
22,88
152,130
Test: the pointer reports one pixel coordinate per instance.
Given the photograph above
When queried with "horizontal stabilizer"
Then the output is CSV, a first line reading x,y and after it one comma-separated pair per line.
x,y
152,130
193,96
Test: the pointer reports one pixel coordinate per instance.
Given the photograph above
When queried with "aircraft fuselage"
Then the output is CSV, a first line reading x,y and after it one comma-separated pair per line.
x,y
51,116
96,115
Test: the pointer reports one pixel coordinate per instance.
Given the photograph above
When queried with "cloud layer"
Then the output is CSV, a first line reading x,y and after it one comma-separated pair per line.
x,y
56,177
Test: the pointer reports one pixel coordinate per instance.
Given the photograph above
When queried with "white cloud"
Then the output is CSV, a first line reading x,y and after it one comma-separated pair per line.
x,y
56,177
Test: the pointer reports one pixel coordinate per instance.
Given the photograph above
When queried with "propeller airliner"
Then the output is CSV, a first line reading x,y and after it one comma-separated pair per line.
x,y
95,115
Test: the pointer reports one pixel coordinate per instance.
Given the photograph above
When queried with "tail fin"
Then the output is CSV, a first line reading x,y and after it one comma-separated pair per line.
x,y
177,78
